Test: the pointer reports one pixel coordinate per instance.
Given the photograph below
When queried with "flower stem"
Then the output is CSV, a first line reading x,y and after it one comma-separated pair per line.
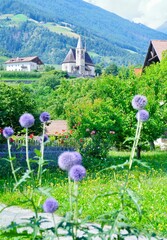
x,y
135,143
27,155
41,160
55,226
70,192
75,209
10,158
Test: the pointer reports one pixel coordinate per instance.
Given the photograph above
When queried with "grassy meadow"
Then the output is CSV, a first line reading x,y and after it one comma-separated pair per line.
x,y
148,182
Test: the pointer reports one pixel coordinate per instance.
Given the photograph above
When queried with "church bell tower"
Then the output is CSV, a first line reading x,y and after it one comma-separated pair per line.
x,y
80,57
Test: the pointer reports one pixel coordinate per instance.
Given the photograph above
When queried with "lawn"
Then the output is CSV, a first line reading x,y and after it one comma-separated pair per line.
x,y
148,183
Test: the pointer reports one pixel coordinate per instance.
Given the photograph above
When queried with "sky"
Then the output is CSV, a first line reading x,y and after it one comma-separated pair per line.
x,y
151,13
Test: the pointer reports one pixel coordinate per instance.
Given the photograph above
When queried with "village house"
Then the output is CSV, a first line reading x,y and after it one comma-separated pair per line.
x,y
155,52
26,64
78,62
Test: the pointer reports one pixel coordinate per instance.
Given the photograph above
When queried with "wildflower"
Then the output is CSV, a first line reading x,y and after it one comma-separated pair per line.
x,y
112,132
1,130
68,159
93,132
44,117
26,120
11,140
77,173
78,157
142,115
31,136
87,130
50,205
45,139
139,102
8,132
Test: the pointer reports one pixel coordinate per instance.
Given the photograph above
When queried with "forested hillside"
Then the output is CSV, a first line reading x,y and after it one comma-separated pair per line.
x,y
108,36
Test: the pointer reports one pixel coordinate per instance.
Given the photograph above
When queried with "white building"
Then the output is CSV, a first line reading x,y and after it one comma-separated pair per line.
x,y
78,62
26,64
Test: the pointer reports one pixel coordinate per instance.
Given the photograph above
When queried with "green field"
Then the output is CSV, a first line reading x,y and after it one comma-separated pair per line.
x,y
61,30
14,20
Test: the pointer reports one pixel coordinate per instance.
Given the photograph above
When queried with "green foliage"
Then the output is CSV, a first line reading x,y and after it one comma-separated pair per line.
x,y
148,183
50,81
14,101
111,69
98,69
104,103
19,75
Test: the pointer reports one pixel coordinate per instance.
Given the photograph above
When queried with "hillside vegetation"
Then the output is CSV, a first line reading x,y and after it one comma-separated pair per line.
x,y
56,25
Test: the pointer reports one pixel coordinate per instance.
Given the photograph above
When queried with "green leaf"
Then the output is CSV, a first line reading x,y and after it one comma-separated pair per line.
x,y
129,139
135,200
45,191
114,167
105,195
23,179
143,164
37,152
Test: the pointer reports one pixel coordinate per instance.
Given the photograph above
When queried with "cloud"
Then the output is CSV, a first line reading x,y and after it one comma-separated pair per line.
x,y
152,13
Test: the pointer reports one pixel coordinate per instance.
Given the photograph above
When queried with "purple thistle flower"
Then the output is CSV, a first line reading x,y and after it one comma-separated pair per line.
x,y
45,139
77,173
142,115
68,159
50,205
44,117
139,102
78,158
8,132
26,120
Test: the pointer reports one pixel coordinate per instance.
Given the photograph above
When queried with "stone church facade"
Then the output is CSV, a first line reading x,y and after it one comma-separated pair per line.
x,y
78,62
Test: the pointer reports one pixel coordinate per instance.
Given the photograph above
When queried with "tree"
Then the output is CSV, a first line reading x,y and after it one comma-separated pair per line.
x,y
98,69
14,102
111,69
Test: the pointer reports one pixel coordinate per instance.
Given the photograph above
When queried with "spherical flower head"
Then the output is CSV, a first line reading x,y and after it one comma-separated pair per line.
x,y
77,173
45,139
26,120
68,159
8,132
50,205
44,117
142,115
139,102
78,158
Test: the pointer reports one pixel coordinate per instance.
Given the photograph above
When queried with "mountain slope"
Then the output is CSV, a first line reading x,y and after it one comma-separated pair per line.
x,y
163,28
107,34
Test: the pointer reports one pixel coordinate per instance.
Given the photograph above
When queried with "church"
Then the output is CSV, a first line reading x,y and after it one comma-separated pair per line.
x,y
78,62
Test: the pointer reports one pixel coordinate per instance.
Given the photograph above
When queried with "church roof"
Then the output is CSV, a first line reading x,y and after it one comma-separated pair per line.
x,y
88,60
71,57
155,51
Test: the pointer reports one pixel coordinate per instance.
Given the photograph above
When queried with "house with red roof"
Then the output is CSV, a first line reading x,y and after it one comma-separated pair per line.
x,y
26,64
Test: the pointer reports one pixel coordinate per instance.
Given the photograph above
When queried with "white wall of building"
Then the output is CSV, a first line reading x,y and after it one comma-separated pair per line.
x,y
23,66
69,67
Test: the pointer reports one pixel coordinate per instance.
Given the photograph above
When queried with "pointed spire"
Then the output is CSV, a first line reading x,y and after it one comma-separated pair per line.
x,y
80,45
